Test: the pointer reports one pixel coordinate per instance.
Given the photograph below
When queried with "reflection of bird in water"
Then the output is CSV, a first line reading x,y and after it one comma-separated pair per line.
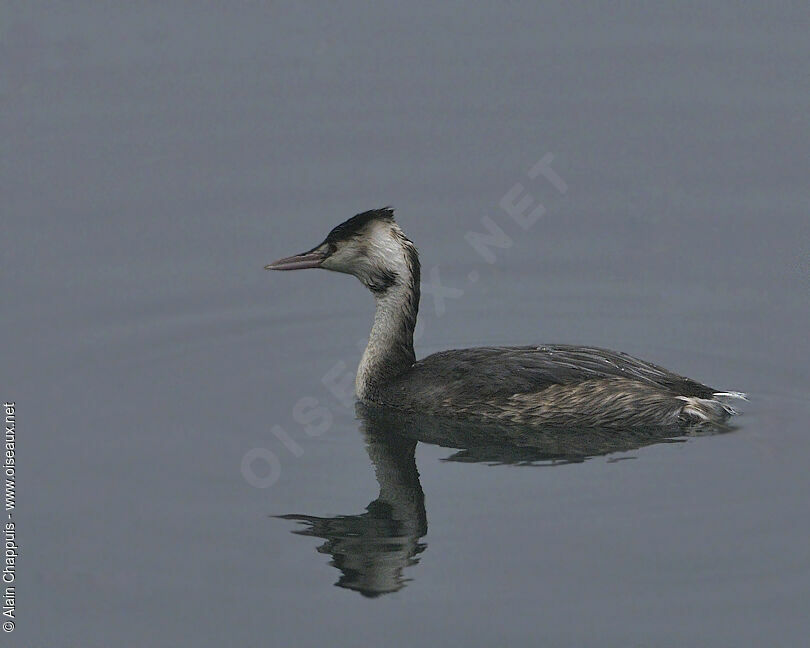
x,y
373,548
519,445
559,385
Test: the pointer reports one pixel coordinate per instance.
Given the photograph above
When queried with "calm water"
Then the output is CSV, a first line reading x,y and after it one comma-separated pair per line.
x,y
155,159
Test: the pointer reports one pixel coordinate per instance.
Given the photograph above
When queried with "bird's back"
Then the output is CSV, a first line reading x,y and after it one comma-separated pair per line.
x,y
549,384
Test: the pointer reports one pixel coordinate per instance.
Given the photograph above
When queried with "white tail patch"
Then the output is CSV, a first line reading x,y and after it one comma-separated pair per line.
x,y
705,409
732,395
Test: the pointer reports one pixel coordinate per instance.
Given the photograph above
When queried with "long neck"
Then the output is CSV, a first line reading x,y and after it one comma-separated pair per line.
x,y
390,344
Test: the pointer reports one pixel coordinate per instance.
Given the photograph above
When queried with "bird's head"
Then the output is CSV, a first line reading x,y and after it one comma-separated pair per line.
x,y
370,246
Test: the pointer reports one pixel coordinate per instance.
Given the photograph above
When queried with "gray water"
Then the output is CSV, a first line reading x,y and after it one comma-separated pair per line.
x,y
155,158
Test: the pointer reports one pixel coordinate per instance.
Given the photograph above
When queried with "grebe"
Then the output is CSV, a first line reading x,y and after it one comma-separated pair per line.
x,y
544,385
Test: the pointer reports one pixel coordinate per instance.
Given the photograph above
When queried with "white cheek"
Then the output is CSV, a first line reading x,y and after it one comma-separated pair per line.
x,y
343,259
379,251
385,251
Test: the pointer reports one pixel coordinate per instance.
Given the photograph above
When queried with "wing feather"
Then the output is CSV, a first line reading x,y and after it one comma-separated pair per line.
x,y
492,371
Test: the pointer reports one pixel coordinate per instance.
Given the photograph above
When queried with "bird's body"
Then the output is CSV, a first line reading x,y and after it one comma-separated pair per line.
x,y
551,385
539,385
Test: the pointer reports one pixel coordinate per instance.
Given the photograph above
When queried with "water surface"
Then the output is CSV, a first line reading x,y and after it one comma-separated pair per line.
x,y
154,159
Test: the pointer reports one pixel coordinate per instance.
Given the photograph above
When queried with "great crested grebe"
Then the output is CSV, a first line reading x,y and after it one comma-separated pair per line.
x,y
544,385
